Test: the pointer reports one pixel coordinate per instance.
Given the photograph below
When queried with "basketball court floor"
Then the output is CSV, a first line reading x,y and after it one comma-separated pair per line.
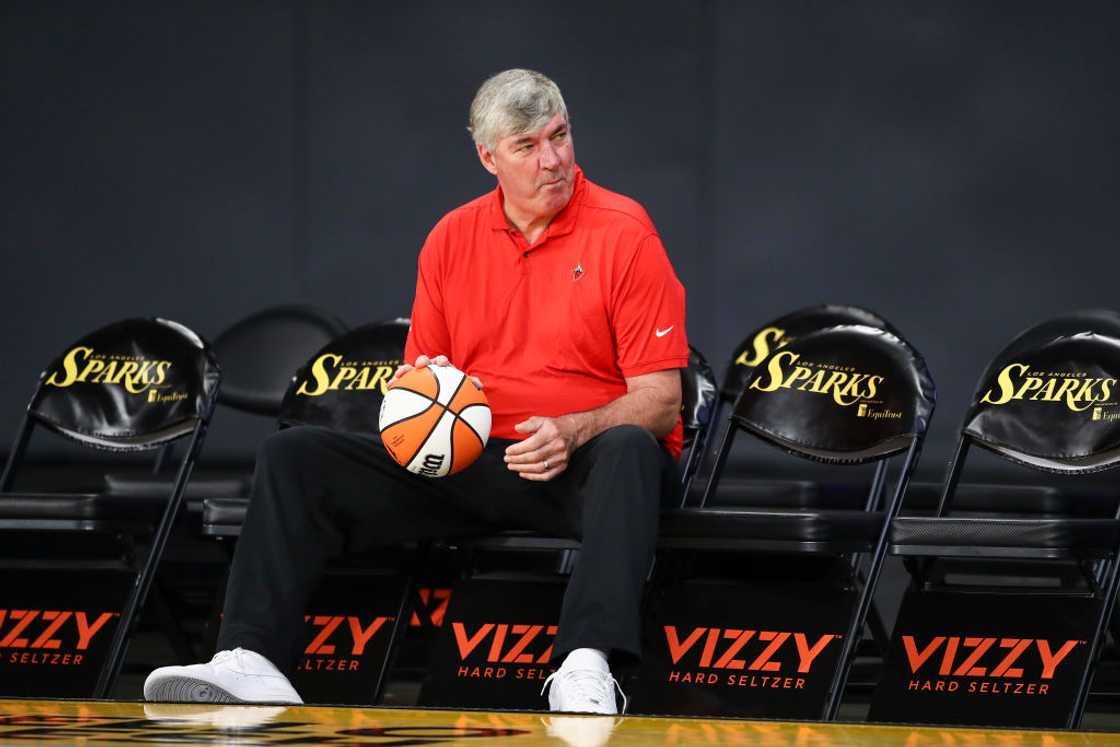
x,y
130,723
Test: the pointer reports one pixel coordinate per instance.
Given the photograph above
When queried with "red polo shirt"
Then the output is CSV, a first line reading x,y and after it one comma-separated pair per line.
x,y
555,327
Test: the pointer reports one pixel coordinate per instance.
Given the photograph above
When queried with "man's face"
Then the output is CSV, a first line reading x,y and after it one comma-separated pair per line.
x,y
536,170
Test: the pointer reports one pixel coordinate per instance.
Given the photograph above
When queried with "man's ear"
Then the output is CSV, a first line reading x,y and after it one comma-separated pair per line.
x,y
487,158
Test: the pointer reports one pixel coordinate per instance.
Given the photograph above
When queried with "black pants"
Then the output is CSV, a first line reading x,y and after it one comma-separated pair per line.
x,y
319,493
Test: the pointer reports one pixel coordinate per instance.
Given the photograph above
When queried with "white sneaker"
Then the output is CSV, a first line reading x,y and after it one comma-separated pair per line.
x,y
583,691
237,676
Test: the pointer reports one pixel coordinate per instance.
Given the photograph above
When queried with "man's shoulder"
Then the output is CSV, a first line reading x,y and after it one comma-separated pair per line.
x,y
464,220
467,216
611,207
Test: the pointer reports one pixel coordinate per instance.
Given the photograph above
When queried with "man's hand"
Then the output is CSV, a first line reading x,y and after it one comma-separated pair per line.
x,y
422,361
545,453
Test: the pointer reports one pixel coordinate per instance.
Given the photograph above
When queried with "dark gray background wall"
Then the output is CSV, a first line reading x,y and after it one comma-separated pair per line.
x,y
950,165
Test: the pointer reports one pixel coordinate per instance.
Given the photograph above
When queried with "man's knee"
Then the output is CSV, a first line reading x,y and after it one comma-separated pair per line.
x,y
629,456
628,439
288,448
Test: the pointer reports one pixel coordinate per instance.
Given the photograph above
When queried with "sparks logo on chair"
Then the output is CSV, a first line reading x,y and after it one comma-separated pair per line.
x,y
781,647
770,338
1054,406
134,385
342,385
759,344
822,396
1018,651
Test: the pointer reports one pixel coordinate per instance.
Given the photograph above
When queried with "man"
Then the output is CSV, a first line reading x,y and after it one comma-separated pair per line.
x,y
557,296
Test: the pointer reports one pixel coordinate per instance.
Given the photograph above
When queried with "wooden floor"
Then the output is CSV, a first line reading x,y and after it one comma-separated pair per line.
x,y
127,723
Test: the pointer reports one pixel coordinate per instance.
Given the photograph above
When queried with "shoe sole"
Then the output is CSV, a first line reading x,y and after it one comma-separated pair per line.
x,y
188,690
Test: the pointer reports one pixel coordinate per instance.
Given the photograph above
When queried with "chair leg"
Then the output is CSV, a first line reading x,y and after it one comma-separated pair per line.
x,y
721,460
1108,602
405,609
859,616
878,629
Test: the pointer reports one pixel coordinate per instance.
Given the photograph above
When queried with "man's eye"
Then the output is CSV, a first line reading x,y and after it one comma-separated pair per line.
x,y
560,135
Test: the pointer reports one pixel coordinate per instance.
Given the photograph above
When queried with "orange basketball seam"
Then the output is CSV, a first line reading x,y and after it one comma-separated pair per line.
x,y
429,436
456,414
406,387
412,455
431,402
467,423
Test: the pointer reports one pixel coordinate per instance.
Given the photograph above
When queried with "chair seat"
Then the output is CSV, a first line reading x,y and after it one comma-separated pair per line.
x,y
77,512
964,536
222,517
757,527
159,488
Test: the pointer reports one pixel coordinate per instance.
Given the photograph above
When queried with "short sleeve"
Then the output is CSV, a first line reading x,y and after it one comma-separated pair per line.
x,y
648,313
428,333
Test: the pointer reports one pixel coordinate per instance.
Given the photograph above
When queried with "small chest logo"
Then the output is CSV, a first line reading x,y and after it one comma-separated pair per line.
x,y
577,272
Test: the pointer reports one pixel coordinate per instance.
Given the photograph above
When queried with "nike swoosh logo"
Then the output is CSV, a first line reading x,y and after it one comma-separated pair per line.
x,y
663,332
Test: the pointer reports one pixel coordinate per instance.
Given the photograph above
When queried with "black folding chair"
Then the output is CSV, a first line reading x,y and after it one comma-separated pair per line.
x,y
135,385
699,405
1001,575
258,355
340,386
739,487
847,395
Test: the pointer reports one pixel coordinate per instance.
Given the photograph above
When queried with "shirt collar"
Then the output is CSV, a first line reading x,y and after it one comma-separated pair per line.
x,y
562,223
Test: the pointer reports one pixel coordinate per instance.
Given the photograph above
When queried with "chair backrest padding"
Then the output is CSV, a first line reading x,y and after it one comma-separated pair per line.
x,y
342,385
698,395
260,353
1055,406
846,394
135,384
756,346
1100,321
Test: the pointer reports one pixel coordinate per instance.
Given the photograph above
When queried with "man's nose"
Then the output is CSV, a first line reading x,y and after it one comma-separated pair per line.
x,y
549,158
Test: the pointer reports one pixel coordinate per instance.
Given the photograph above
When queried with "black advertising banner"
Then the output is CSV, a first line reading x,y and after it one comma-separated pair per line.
x,y
348,625
733,649
495,647
984,659
55,630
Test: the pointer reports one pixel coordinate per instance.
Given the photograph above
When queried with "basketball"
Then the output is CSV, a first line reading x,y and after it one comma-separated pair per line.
x,y
434,421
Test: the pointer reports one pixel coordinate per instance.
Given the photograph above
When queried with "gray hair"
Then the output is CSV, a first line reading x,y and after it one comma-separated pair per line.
x,y
511,103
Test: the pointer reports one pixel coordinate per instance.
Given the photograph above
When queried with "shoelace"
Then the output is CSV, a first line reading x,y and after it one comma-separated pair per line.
x,y
589,683
227,654
237,654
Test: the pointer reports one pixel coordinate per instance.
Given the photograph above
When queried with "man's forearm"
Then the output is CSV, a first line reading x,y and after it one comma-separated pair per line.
x,y
654,410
